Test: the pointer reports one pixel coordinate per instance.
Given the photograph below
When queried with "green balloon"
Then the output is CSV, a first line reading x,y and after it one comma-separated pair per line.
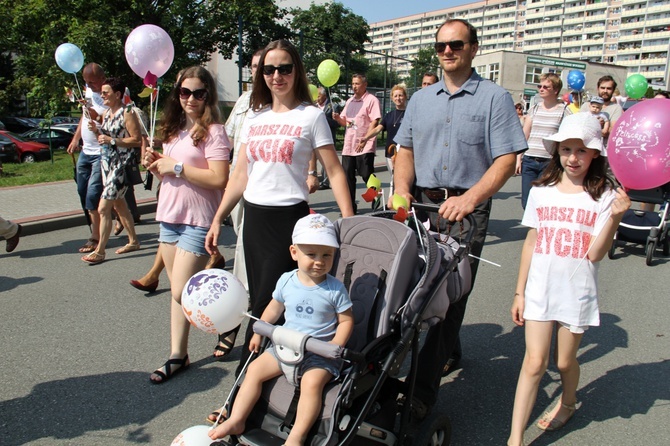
x,y
636,86
328,73
313,92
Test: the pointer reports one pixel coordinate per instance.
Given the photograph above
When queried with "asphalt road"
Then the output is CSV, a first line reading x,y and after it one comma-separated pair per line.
x,y
79,344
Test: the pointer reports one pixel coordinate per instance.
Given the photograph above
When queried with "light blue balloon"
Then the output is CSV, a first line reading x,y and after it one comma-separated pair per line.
x,y
69,58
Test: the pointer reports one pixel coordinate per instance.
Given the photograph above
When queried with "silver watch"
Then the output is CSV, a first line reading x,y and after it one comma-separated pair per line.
x,y
313,173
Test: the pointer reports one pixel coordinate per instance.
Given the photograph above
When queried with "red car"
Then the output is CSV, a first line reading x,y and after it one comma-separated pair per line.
x,y
27,151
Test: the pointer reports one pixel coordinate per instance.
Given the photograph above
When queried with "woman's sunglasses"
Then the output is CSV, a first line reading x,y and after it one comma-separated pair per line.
x,y
199,95
284,70
455,45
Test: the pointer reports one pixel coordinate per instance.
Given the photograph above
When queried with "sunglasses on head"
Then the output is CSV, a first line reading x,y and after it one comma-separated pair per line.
x,y
284,70
199,95
455,45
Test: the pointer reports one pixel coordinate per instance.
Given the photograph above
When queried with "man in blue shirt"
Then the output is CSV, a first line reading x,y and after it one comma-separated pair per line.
x,y
459,140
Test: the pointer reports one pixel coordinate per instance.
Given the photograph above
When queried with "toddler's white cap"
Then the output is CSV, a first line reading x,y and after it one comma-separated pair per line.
x,y
315,229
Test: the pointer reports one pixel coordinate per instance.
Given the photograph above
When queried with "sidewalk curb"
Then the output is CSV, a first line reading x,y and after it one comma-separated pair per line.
x,y
55,222
70,219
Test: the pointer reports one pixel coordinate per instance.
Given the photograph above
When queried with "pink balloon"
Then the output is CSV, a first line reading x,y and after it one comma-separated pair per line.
x,y
567,98
149,48
639,145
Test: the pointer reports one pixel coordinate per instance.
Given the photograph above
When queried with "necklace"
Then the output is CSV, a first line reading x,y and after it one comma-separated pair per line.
x,y
398,117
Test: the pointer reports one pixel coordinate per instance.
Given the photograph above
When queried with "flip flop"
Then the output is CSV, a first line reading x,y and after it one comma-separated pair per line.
x,y
90,246
118,229
130,247
93,258
215,415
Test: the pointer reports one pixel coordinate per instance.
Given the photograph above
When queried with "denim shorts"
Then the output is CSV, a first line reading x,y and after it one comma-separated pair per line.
x,y
189,238
310,361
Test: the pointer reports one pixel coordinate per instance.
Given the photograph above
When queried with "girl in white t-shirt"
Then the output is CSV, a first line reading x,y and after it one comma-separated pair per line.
x,y
573,213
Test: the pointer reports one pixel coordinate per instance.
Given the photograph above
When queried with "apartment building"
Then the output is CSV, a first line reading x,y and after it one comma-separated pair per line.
x,y
631,33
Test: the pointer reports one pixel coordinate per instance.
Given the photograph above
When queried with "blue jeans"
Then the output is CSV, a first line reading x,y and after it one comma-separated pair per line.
x,y
89,181
531,169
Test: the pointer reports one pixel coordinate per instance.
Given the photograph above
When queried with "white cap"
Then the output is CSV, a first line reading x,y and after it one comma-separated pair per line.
x,y
582,126
315,229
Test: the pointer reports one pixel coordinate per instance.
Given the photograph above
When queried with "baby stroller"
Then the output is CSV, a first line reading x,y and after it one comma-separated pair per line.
x,y
401,279
646,228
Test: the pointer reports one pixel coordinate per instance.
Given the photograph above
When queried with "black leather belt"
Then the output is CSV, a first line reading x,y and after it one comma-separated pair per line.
x,y
538,159
439,194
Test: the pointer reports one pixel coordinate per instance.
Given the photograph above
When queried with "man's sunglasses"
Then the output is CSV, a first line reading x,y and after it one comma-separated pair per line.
x,y
199,95
455,45
284,70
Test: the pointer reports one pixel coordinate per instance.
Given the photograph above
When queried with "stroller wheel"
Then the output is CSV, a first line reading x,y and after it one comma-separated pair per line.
x,y
435,430
610,253
666,244
651,247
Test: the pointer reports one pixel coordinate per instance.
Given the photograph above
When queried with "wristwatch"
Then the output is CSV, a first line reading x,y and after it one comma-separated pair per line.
x,y
178,168
313,173
112,142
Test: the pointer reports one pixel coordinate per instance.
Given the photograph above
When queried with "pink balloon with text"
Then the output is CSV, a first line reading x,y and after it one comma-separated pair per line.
x,y
639,145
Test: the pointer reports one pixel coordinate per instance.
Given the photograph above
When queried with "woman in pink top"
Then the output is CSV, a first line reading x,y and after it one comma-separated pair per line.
x,y
194,171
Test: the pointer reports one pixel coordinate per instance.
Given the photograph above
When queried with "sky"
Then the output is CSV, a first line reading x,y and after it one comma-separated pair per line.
x,y
380,10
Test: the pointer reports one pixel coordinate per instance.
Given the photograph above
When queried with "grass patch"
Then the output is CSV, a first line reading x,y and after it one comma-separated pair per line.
x,y
20,174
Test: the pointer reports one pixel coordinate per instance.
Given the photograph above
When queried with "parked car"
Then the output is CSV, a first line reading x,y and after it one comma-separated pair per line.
x,y
70,127
60,138
18,125
8,150
27,151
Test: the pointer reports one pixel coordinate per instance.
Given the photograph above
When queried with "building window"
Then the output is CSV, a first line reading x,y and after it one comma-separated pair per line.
x,y
494,72
533,74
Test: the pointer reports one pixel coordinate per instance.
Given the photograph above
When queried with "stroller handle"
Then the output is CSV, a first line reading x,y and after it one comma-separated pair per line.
x,y
321,348
434,209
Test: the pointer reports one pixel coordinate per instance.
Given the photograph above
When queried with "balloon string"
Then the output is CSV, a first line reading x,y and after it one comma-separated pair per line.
x,y
81,95
151,120
153,124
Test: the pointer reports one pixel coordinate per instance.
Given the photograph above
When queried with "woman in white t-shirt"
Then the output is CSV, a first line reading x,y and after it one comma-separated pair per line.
x,y
278,139
194,171
572,213
543,120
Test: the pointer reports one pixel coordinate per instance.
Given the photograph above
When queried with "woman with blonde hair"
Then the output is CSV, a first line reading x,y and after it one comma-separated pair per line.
x,y
542,120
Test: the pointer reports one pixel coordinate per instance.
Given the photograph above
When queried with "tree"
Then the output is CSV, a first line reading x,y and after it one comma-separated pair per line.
x,y
425,60
329,31
100,27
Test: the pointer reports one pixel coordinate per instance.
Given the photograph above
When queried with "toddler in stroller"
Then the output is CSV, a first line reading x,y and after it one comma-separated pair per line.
x,y
400,280
313,303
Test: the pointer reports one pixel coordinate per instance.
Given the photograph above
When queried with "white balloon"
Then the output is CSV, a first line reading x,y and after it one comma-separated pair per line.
x,y
193,436
214,301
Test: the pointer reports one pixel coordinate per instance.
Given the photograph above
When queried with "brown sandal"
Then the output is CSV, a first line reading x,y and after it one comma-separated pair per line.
x,y
550,424
90,246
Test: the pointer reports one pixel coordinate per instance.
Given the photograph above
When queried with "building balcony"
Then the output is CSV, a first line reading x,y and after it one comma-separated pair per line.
x,y
573,21
553,2
631,25
631,13
592,53
595,6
